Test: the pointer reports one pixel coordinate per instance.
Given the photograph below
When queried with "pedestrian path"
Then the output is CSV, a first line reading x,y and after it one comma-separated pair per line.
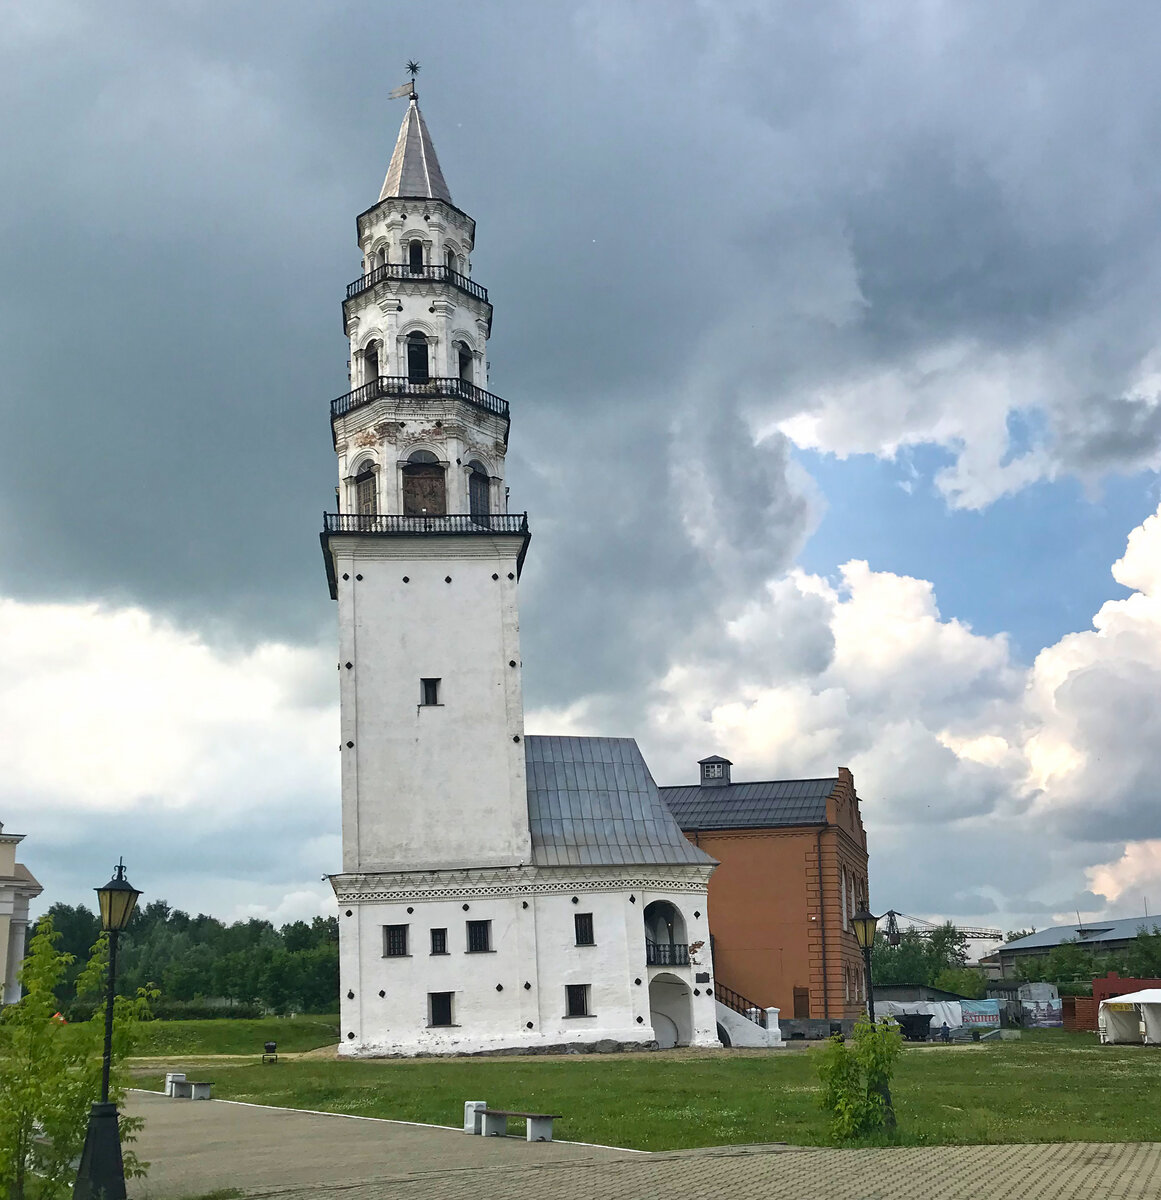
x,y
282,1154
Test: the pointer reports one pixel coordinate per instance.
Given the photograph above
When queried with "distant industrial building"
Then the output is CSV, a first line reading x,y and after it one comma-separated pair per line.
x,y
1105,937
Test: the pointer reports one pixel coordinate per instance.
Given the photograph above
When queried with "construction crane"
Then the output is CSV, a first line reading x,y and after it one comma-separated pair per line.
x,y
927,928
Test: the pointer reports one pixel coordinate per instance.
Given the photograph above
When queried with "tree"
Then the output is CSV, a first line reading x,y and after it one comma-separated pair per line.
x,y
1143,958
1014,935
919,958
856,1079
50,1072
964,981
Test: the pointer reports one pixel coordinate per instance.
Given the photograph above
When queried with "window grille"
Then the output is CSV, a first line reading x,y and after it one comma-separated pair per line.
x,y
583,923
479,936
395,941
439,941
576,997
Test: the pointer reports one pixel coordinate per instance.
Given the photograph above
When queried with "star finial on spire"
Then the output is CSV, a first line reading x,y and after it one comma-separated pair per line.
x,y
412,69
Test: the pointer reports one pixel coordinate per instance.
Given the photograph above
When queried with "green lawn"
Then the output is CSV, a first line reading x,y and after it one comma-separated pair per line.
x,y
293,1034
1047,1087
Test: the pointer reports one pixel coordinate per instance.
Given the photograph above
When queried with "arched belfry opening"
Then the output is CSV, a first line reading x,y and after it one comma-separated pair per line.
x,y
450,260
371,364
479,493
366,491
466,361
415,256
418,358
424,486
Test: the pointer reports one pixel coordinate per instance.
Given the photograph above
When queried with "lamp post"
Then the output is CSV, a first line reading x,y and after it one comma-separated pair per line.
x,y
102,1174
865,923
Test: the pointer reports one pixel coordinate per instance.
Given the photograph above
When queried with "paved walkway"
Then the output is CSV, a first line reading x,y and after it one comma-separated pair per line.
x,y
199,1147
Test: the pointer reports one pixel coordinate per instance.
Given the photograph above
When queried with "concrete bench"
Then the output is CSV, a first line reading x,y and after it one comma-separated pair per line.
x,y
539,1125
188,1089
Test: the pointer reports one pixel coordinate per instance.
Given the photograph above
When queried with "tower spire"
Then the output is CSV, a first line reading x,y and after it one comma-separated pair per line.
x,y
414,171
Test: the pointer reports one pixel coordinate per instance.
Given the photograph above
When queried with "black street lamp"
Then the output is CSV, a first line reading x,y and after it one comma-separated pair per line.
x,y
102,1174
865,923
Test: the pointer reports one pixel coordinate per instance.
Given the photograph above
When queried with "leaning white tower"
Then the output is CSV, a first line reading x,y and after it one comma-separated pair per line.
x,y
470,917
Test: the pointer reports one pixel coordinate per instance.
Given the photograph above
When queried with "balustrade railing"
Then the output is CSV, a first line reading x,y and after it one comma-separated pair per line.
x,y
666,954
739,1003
386,523
439,387
406,272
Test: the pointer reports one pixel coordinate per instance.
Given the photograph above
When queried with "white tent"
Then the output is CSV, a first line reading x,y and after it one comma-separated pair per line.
x,y
1135,1017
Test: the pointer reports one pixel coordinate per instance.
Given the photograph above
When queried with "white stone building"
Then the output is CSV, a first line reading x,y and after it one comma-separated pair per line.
x,y
498,891
17,888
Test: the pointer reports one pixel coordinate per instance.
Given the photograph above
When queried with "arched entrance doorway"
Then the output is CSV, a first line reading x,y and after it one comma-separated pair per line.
x,y
670,1011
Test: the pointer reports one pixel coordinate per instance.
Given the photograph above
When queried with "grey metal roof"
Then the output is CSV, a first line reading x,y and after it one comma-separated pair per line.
x,y
1090,931
767,805
593,802
414,169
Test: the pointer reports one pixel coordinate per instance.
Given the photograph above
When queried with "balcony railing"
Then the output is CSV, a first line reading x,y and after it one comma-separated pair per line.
x,y
388,524
400,387
739,1003
407,273
666,954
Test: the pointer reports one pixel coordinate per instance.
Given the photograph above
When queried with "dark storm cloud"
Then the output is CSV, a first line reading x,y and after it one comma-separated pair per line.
x,y
693,219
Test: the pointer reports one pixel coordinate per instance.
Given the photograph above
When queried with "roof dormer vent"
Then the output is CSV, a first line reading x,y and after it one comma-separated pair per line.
x,y
715,771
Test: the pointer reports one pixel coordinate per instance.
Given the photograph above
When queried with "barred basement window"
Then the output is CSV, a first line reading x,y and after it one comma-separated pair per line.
x,y
439,1008
479,936
394,941
576,997
439,941
583,925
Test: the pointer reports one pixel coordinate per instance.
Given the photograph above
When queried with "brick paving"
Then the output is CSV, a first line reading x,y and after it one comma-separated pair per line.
x,y
286,1155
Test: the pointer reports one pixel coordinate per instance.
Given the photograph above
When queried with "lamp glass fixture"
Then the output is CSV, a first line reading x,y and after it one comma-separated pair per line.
x,y
865,923
117,899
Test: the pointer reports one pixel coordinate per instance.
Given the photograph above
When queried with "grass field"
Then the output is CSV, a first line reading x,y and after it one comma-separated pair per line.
x,y
293,1035
1047,1087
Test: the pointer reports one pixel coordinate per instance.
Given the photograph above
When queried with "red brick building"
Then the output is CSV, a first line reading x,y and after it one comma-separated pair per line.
x,y
793,871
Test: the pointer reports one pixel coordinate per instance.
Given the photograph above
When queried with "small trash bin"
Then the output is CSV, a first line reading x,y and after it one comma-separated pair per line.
x,y
270,1052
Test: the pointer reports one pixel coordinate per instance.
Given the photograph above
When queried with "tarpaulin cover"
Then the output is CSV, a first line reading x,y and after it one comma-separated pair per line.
x,y
941,1011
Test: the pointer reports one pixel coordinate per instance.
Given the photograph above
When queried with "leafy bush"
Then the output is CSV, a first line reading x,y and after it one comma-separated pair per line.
x,y
856,1079
50,1071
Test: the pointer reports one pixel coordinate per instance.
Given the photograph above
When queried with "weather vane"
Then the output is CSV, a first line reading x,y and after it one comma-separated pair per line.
x,y
406,89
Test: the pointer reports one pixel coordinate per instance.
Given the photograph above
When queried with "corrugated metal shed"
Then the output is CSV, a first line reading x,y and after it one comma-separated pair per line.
x,y
1090,932
769,805
593,802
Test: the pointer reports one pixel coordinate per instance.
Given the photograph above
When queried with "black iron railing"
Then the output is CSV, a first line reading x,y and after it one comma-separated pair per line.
x,y
666,954
387,524
739,1003
401,387
403,271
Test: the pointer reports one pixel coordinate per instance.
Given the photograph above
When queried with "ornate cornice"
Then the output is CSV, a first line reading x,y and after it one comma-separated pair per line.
x,y
392,886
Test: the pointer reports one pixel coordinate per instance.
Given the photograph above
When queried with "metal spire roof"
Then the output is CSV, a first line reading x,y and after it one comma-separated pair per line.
x,y
414,169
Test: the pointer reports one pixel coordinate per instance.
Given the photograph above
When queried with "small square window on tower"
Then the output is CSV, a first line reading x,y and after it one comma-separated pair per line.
x,y
429,692
439,1008
583,927
479,937
439,941
576,1000
394,941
